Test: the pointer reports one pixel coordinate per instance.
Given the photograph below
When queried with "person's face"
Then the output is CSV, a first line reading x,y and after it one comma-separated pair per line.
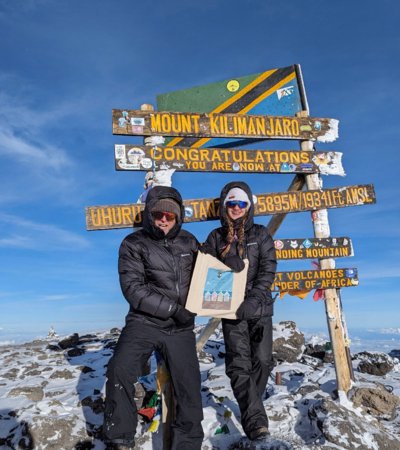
x,y
165,221
236,210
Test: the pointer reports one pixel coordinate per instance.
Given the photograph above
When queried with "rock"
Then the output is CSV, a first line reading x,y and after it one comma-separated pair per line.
x,y
54,348
375,400
395,353
204,357
71,341
34,393
374,363
66,374
347,430
316,351
11,374
289,345
75,352
54,433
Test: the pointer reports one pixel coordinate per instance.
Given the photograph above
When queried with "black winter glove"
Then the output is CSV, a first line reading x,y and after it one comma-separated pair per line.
x,y
182,315
234,262
251,308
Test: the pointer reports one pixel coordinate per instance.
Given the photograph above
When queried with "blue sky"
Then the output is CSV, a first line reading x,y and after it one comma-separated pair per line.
x,y
66,65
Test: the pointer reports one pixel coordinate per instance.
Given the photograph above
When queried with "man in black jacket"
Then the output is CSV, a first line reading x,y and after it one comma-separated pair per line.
x,y
155,269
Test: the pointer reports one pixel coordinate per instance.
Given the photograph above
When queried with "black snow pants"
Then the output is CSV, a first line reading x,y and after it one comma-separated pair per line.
x,y
248,362
137,342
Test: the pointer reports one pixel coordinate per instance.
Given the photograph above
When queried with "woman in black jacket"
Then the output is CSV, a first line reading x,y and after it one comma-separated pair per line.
x,y
155,268
248,340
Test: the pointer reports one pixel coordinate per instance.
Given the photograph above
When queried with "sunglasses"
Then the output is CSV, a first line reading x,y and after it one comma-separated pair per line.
x,y
158,215
234,203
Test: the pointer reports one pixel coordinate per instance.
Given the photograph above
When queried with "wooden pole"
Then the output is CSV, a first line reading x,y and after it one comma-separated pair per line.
x,y
332,301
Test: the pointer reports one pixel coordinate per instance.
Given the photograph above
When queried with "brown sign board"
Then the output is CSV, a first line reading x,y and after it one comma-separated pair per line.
x,y
191,159
124,216
217,125
315,279
313,248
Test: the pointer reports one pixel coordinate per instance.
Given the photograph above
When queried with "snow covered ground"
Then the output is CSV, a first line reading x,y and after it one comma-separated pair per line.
x,y
52,398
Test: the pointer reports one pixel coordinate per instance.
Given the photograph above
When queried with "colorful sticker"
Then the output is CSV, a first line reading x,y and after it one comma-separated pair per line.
x,y
285,167
305,128
294,244
122,122
307,243
189,211
306,167
278,244
146,163
351,273
235,166
137,129
285,92
120,151
135,156
317,125
233,85
138,121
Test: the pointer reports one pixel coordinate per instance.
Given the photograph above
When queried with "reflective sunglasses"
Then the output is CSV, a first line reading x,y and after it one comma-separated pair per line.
x,y
234,203
158,215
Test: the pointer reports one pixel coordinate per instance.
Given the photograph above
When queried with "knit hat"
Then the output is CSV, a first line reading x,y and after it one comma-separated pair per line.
x,y
167,205
237,194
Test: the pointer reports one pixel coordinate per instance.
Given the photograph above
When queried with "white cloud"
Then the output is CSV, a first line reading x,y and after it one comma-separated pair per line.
x,y
32,154
33,235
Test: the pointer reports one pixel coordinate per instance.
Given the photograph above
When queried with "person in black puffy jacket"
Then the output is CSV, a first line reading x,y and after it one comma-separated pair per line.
x,y
248,340
155,268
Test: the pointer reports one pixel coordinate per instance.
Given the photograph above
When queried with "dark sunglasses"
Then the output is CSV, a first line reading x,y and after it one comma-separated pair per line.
x,y
158,215
234,203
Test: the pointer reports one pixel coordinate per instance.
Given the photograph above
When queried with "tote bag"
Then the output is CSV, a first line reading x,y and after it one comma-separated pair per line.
x,y
216,291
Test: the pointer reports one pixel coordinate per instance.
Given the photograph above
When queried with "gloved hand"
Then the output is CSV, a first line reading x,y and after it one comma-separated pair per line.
x,y
182,315
251,308
234,262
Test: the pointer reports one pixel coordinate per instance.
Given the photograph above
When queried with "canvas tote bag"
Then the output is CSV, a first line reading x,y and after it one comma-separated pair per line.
x,y
216,291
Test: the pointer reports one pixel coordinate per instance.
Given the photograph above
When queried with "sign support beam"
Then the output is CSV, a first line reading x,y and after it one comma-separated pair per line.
x,y
332,301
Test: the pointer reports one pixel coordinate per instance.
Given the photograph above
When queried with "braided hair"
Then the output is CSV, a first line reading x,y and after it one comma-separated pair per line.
x,y
236,231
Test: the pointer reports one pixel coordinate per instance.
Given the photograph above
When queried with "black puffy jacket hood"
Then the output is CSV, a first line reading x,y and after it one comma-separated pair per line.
x,y
245,187
155,194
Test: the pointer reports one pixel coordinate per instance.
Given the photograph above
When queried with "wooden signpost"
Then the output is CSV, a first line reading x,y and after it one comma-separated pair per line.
x,y
123,216
192,159
315,279
268,105
313,248
144,123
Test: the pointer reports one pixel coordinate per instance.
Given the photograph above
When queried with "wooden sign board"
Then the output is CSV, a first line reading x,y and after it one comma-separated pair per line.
x,y
141,123
275,92
315,279
313,248
191,159
197,210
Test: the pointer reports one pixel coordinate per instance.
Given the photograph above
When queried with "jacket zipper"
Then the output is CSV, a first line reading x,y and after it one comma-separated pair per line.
x,y
174,267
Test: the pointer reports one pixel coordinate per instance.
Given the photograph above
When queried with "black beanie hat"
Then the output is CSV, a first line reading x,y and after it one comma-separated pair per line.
x,y
167,205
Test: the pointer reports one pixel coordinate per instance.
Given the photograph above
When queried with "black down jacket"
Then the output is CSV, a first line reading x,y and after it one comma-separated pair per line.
x,y
259,250
155,269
